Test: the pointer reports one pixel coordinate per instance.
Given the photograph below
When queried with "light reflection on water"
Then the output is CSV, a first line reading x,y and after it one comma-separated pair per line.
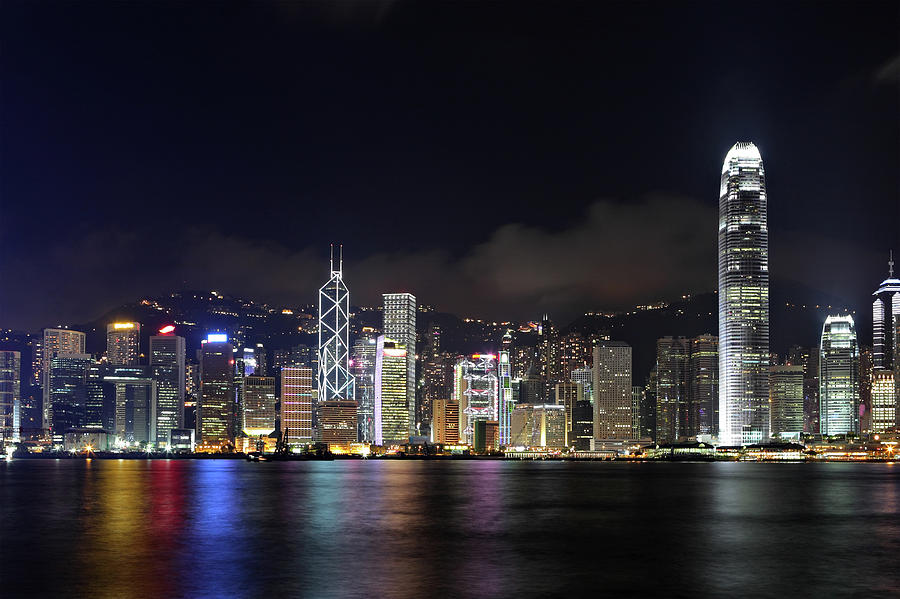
x,y
207,528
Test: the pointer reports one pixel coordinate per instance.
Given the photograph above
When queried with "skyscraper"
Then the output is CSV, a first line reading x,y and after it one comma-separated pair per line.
x,y
885,317
391,413
703,386
10,400
135,404
743,298
259,405
362,367
167,363
476,388
612,390
123,343
568,394
335,380
215,410
296,404
671,388
505,401
786,400
884,401
839,377
400,325
57,342
67,392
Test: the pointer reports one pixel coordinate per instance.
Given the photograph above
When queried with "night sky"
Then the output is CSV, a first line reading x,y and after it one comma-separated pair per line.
x,y
495,159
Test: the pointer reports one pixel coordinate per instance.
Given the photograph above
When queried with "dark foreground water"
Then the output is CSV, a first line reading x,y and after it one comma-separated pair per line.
x,y
210,528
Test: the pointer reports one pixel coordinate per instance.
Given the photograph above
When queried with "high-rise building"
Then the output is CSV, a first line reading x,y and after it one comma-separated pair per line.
x,y
259,405
884,401
297,405
584,376
445,422
400,325
839,377
743,298
786,401
612,390
808,359
123,343
568,394
703,386
334,381
66,389
539,426
865,389
885,317
391,413
10,398
505,401
582,429
637,396
362,367
100,404
134,409
648,407
671,388
60,342
337,423
215,410
476,388
167,363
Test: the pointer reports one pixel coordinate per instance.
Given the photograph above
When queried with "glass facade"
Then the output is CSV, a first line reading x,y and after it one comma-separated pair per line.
x,y
334,378
743,299
839,377
786,400
391,413
400,325
612,390
296,404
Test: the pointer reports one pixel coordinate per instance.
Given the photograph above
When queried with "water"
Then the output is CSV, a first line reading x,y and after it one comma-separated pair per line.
x,y
225,528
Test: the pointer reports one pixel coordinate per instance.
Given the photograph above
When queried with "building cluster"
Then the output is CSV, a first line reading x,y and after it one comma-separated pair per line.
x,y
532,389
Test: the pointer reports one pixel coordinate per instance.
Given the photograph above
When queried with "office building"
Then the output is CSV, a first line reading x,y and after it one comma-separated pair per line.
x,y
259,406
391,397
505,400
215,408
334,379
62,342
134,411
568,394
476,388
884,401
743,299
445,422
297,405
839,377
584,376
100,402
337,424
541,426
10,398
400,325
582,427
67,391
123,343
786,401
612,390
703,386
808,359
885,318
167,365
671,388
362,367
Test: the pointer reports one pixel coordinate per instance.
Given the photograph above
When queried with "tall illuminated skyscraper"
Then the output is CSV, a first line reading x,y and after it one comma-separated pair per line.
x,y
743,299
167,364
10,400
839,377
57,342
885,318
259,405
362,367
391,414
335,381
400,325
786,401
296,404
475,387
215,411
612,390
506,402
884,401
123,343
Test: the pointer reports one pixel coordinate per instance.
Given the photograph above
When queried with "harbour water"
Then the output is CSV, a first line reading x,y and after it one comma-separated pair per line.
x,y
491,528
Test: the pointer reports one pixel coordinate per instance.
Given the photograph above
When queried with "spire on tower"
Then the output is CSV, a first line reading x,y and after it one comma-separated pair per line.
x,y
331,257
891,266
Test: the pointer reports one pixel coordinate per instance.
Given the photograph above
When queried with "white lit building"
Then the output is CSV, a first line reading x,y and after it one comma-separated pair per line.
x,y
838,377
